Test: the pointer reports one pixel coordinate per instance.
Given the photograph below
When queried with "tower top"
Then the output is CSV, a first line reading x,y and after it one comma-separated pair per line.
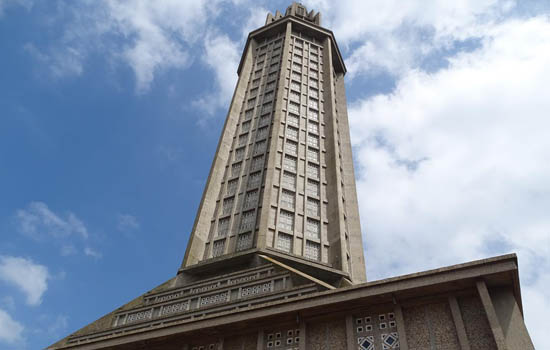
x,y
297,10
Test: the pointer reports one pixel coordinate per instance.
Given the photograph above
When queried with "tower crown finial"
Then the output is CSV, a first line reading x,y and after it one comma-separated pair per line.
x,y
297,10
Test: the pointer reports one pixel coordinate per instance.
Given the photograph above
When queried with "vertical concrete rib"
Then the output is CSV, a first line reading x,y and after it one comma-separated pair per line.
x,y
492,317
459,323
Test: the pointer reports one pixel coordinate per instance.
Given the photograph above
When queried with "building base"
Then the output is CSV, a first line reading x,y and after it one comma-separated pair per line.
x,y
476,305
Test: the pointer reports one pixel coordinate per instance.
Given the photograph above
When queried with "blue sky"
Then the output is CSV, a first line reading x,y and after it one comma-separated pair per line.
x,y
110,112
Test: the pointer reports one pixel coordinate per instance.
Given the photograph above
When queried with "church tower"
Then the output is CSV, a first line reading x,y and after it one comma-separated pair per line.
x,y
282,182
275,257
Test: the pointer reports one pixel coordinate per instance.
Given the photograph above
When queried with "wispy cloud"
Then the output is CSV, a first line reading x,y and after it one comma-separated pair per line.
x,y
29,277
39,222
92,253
65,230
4,4
127,222
10,330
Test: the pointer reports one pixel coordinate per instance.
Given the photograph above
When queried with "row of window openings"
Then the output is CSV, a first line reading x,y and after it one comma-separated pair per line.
x,y
286,222
300,44
244,241
291,148
288,200
297,67
264,120
289,181
294,120
254,180
294,107
270,77
312,249
248,219
276,45
292,133
313,82
296,96
297,59
290,164
261,133
298,51
256,163
266,107
260,59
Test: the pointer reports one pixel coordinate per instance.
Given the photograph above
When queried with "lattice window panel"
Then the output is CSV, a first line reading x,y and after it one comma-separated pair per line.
x,y
223,227
242,139
313,250
255,290
313,127
251,199
292,133
313,140
254,179
314,83
290,163
247,221
228,205
313,228
239,154
295,86
218,247
246,126
244,241
313,188
260,147
286,220
293,120
257,163
139,316
214,299
262,133
289,180
314,93
285,339
313,155
294,107
266,108
288,199
312,114
295,96
296,76
313,170
265,120
313,207
291,147
313,103
376,331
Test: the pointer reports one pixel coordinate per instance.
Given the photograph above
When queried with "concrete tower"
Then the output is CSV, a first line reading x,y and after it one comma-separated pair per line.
x,y
275,257
282,181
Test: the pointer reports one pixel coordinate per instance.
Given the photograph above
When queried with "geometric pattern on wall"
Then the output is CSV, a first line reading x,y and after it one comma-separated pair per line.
x,y
376,331
288,339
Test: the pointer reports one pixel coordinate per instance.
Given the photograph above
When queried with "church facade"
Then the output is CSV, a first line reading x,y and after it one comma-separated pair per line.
x,y
275,258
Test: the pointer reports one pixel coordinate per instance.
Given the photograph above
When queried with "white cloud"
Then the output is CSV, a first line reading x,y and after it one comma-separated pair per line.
x,y
395,36
92,253
10,330
29,277
222,56
4,4
149,36
127,222
39,222
454,164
